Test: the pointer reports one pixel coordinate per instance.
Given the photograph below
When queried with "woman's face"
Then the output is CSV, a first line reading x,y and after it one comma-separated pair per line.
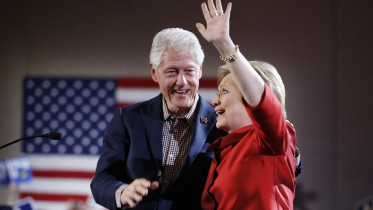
x,y
229,107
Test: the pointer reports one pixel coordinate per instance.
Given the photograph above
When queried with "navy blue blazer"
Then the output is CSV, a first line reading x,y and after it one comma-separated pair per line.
x,y
132,148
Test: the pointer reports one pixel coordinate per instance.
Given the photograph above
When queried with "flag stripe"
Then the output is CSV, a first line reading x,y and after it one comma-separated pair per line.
x,y
53,197
58,186
63,174
136,82
52,162
123,104
132,95
53,205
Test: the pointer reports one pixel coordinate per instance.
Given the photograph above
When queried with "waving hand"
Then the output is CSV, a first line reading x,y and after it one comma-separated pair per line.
x,y
217,22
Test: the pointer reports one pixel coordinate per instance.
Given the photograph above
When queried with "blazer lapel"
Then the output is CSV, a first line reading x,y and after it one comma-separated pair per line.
x,y
152,117
204,123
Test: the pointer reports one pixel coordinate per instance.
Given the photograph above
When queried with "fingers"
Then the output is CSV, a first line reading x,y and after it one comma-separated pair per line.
x,y
212,8
219,8
135,191
205,11
200,27
217,22
206,15
228,10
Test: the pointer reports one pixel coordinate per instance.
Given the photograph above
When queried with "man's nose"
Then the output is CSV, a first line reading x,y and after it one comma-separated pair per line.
x,y
181,80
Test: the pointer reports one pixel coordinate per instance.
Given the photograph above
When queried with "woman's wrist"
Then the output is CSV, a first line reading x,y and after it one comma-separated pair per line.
x,y
231,57
225,48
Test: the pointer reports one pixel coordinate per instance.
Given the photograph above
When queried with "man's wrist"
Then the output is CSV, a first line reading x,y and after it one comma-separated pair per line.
x,y
118,194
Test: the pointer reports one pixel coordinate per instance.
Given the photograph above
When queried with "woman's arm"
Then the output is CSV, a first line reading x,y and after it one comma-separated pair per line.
x,y
216,32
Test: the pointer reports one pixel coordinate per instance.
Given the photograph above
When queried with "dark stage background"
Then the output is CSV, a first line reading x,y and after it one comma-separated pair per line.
x,y
322,49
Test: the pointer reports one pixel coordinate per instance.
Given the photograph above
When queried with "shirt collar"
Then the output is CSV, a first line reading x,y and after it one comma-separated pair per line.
x,y
189,116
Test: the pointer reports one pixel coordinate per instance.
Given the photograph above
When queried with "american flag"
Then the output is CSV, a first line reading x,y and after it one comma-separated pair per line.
x,y
80,109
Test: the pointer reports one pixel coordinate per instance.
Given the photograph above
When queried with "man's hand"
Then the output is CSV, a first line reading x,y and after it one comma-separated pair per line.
x,y
135,192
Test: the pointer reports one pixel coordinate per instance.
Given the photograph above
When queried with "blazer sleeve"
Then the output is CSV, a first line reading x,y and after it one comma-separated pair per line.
x,y
110,169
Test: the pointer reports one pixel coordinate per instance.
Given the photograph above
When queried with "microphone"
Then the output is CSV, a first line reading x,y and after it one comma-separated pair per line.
x,y
51,135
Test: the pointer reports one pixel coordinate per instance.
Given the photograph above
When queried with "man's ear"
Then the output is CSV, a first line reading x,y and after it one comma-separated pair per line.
x,y
152,72
200,73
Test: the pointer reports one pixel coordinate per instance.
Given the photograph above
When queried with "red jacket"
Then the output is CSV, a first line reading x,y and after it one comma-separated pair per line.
x,y
254,167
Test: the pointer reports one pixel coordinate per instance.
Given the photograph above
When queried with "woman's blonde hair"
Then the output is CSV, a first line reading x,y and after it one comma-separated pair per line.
x,y
270,76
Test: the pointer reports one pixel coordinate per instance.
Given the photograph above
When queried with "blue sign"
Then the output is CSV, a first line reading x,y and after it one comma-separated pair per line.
x,y
15,170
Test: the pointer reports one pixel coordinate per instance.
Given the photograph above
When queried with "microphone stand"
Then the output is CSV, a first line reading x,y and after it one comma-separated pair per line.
x,y
52,135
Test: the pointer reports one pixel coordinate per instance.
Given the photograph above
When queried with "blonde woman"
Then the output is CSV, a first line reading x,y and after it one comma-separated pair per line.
x,y
254,165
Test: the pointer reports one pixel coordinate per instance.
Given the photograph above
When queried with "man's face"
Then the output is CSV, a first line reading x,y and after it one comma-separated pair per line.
x,y
178,79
